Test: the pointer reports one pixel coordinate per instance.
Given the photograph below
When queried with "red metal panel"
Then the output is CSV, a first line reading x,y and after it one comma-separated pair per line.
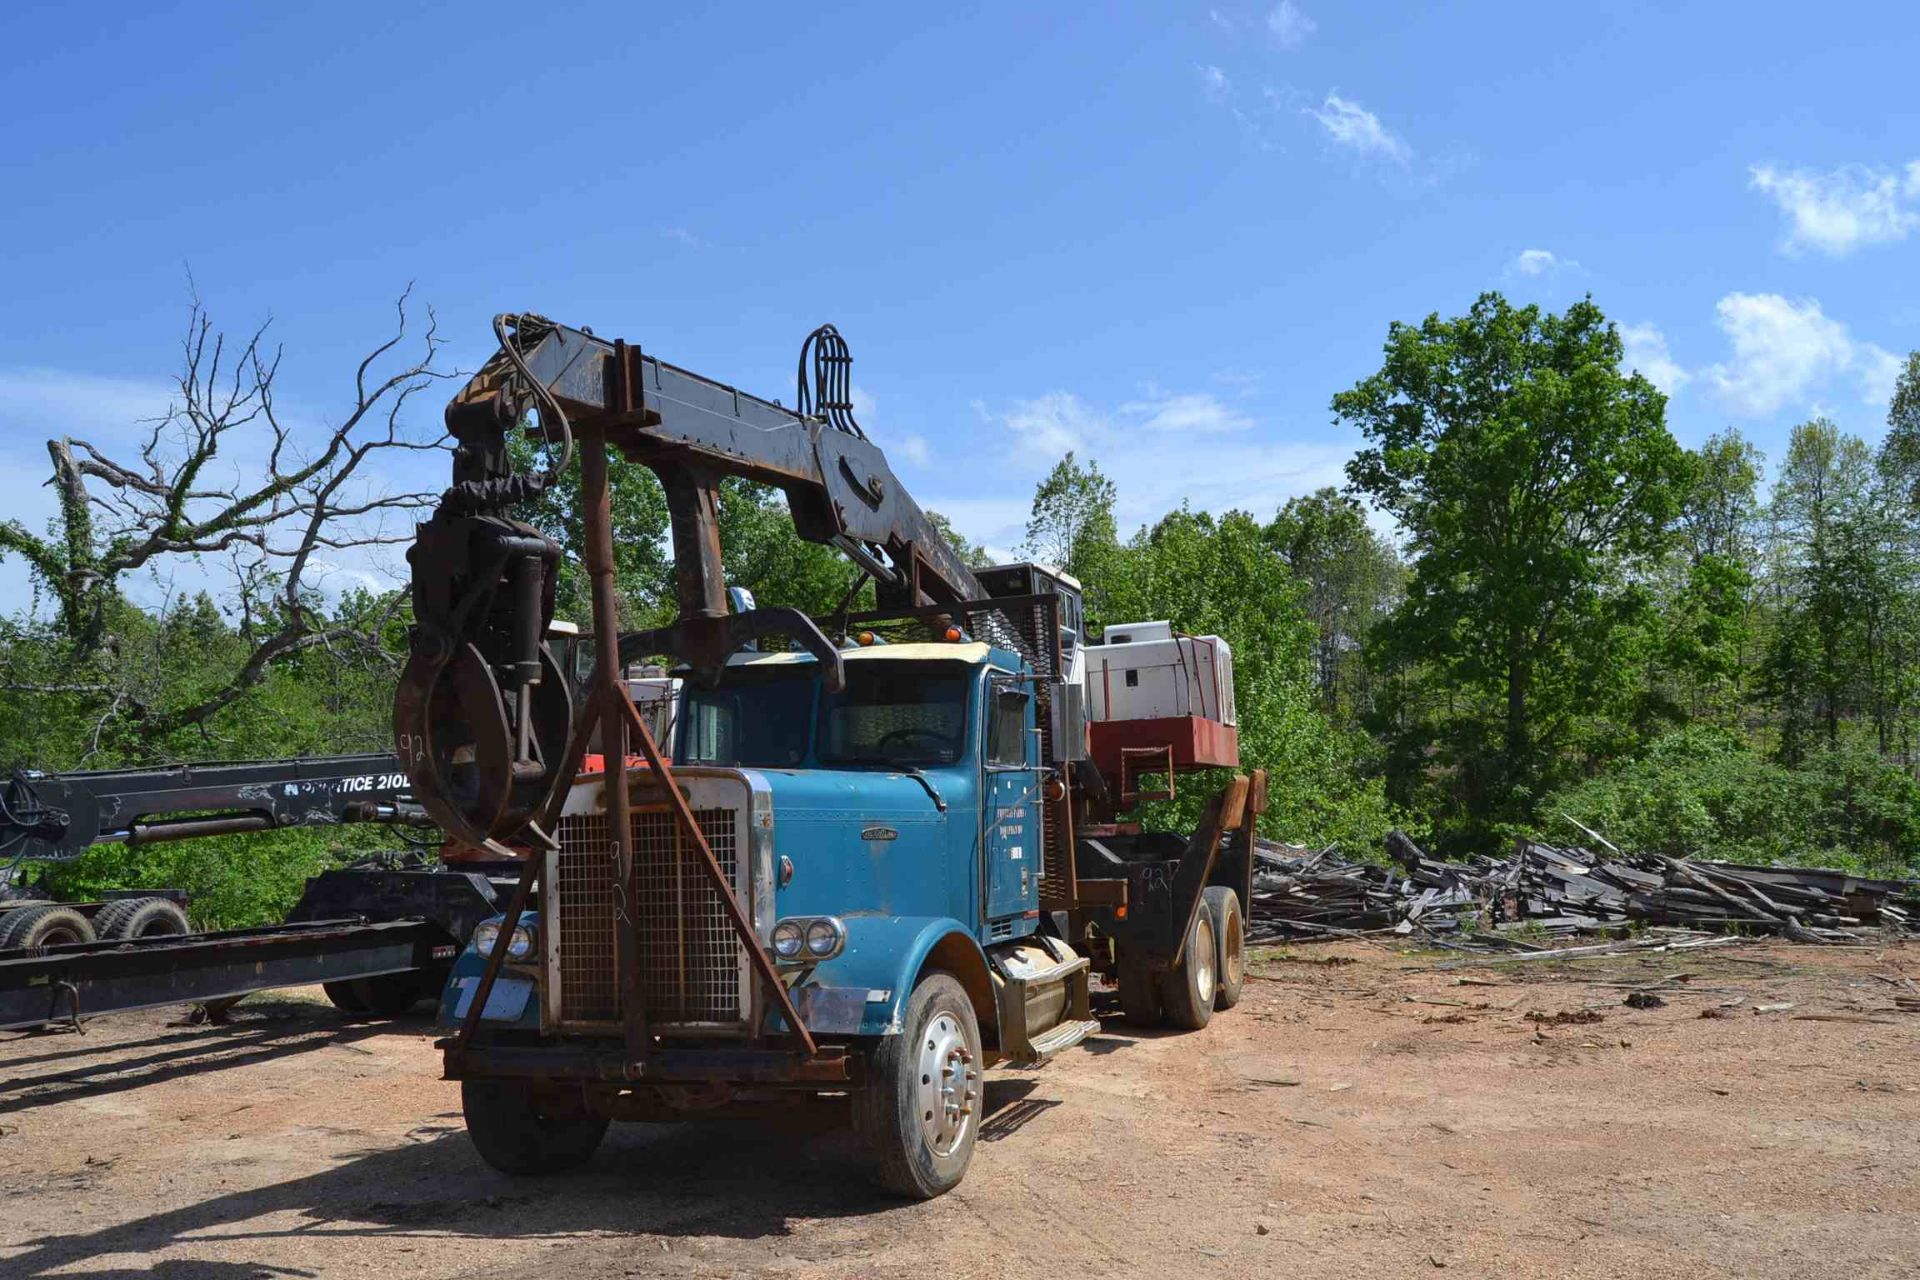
x,y
1196,743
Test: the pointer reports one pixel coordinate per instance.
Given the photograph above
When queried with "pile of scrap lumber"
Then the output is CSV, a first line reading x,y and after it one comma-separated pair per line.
x,y
1544,889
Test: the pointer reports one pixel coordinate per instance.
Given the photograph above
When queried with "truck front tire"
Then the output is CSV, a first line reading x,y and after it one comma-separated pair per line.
x,y
519,1133
921,1108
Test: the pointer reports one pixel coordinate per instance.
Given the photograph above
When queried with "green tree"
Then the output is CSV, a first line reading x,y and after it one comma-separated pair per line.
x,y
1353,578
1702,628
1071,526
270,520
1831,583
1530,475
1900,450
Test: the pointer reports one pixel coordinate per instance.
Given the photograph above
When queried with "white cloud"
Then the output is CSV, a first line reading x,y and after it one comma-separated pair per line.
x,y
51,402
913,449
1195,412
1879,372
1214,83
1353,126
1160,449
1843,209
1540,262
336,579
1784,349
1050,425
997,523
1290,27
683,237
1648,356
1222,21
909,447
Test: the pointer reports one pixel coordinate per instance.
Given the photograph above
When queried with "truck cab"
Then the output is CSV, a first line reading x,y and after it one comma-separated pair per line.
x,y
886,837
897,836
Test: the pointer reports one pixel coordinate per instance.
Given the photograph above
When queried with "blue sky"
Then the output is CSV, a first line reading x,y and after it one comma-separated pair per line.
x,y
1163,234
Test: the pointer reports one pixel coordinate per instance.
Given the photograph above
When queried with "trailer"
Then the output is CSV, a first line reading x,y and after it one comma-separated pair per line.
x,y
880,855
379,937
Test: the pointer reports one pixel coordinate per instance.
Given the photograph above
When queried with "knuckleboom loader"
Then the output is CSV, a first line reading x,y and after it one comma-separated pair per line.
x,y
882,852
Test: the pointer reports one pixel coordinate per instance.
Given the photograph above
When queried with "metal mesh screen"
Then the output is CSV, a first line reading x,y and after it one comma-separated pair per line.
x,y
691,966
589,981
689,955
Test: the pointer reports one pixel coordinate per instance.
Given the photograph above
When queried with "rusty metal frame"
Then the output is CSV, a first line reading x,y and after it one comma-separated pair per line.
x,y
609,708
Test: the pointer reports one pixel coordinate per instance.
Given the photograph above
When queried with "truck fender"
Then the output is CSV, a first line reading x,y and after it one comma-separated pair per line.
x,y
864,990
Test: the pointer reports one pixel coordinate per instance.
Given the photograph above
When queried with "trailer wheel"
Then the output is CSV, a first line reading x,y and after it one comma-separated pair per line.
x,y
920,1109
345,996
49,926
140,918
518,1132
1230,937
1140,1002
1189,987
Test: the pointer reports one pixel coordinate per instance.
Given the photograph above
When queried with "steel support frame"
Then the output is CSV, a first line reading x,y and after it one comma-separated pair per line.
x,y
609,708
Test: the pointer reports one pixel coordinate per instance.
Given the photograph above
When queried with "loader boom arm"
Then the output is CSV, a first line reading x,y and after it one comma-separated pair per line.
x,y
482,716
692,431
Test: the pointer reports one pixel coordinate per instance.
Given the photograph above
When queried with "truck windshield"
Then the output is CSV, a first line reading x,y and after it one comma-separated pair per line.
x,y
895,714
756,717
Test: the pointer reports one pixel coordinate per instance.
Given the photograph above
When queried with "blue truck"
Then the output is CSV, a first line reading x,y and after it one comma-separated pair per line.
x,y
876,855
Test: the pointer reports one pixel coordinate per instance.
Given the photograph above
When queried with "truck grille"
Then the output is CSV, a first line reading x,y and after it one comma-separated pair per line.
x,y
692,970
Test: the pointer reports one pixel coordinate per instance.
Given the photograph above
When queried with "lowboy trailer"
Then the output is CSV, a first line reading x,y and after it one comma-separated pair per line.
x,y
379,938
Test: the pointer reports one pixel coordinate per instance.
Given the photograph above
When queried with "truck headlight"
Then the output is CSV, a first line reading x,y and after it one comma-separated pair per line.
x,y
520,946
825,937
789,938
808,939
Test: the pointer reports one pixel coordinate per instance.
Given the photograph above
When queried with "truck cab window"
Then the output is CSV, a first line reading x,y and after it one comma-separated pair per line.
x,y
901,716
755,718
1007,728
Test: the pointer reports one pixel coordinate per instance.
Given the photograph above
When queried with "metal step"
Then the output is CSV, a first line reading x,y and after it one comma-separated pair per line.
x,y
1064,1036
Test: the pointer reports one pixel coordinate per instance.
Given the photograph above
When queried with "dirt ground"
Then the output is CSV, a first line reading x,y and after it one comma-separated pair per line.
x,y
1365,1112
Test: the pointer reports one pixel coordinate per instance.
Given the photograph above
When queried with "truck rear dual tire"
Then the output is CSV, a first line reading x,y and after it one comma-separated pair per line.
x,y
519,1132
45,926
1188,989
1230,937
131,918
1180,997
920,1111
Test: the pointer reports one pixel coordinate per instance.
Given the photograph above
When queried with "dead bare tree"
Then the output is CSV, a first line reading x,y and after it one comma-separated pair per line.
x,y
223,471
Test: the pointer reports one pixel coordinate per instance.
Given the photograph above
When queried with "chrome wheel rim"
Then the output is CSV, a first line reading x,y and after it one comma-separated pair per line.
x,y
1200,959
1236,961
948,1085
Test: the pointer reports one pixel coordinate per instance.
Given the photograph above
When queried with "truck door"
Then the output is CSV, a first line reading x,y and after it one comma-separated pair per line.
x,y
1011,786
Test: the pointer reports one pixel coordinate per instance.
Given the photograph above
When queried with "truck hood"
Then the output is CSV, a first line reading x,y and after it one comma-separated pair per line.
x,y
868,840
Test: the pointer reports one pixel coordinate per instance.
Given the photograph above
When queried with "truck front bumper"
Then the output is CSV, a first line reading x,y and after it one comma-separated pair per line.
x,y
606,1063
